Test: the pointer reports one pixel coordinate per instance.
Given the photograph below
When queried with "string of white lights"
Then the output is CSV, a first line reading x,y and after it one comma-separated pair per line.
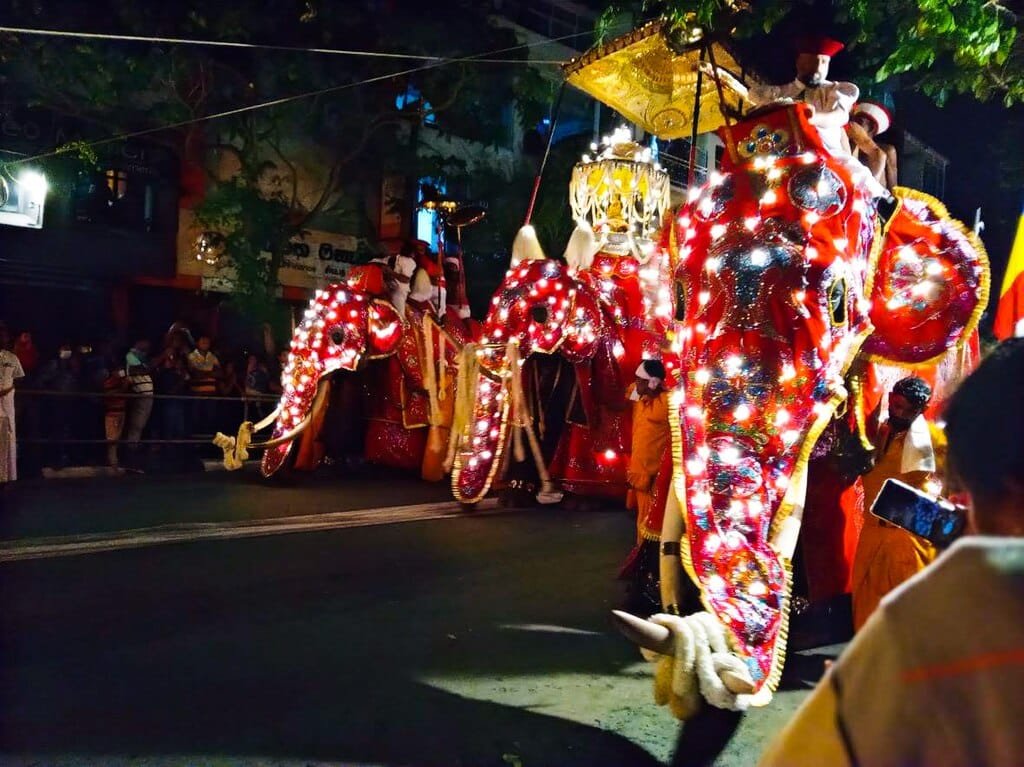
x,y
287,99
266,47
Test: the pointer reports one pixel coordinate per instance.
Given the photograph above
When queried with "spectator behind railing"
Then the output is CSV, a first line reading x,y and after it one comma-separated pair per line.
x,y
257,388
204,372
171,380
936,676
114,382
139,408
62,374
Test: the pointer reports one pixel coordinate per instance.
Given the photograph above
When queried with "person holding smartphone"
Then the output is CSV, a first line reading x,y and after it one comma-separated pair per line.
x,y
936,676
911,449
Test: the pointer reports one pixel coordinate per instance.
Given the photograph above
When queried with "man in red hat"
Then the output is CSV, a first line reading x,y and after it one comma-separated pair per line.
x,y
831,102
867,120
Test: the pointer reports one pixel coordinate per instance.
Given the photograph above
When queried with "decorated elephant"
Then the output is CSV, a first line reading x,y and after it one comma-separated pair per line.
x,y
403,364
583,325
786,283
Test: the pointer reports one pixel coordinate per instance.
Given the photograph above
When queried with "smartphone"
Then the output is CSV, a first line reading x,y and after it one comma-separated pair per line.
x,y
935,519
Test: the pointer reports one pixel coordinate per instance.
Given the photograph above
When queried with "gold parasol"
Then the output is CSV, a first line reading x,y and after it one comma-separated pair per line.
x,y
648,82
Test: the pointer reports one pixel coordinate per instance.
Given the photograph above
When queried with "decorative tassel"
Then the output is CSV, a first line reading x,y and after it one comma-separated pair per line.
x,y
526,246
581,248
465,399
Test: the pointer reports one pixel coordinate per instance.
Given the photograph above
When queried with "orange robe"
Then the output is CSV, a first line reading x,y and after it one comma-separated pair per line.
x,y
888,555
651,434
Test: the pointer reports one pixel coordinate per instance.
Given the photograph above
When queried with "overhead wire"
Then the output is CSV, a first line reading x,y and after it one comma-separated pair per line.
x,y
288,99
258,46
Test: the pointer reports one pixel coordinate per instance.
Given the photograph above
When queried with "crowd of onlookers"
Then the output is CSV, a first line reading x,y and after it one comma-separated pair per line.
x,y
121,404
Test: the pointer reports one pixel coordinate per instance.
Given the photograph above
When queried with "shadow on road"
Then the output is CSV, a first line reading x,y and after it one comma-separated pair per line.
x,y
317,646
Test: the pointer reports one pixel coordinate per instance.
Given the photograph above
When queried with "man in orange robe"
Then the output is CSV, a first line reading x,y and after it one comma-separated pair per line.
x,y
911,449
647,468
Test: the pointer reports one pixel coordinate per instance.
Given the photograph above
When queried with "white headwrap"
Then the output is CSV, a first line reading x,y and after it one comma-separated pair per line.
x,y
653,381
641,372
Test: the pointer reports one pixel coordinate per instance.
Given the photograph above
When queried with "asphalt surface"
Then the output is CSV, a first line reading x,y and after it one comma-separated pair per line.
x,y
467,640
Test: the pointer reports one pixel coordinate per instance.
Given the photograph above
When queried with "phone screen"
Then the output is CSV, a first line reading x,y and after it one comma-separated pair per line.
x,y
936,520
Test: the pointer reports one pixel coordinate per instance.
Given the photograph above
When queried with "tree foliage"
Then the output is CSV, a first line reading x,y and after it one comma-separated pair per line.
x,y
364,120
941,47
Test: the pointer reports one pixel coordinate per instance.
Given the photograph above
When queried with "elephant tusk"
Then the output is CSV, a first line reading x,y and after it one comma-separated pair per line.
x,y
284,438
658,639
647,635
268,420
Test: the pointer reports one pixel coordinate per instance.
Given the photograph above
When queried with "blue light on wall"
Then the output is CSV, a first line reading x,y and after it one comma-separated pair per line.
x,y
412,96
426,220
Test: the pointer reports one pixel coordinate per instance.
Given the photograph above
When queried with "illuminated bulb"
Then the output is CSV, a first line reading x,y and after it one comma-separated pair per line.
x,y
790,437
811,217
716,583
694,412
934,268
864,305
729,455
811,252
741,413
774,174
609,455
782,418
692,195
716,178
759,257
694,467
702,376
841,243
704,451
808,157
712,544
702,328
800,295
769,197
713,264
704,297
751,222
788,373
717,231
933,487
757,589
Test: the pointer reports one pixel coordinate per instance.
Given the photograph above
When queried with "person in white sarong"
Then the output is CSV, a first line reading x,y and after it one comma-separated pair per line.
x,y
10,371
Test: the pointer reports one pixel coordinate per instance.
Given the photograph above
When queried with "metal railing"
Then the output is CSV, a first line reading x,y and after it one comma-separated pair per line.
x,y
41,412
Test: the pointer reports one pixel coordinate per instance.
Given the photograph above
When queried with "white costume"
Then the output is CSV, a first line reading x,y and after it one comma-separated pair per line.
x,y
10,370
404,267
826,98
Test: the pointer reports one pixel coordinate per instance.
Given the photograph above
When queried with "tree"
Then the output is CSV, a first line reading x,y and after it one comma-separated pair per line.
x,y
302,163
938,46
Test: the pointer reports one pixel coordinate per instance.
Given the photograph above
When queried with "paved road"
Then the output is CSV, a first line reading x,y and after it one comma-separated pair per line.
x,y
77,506
460,641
